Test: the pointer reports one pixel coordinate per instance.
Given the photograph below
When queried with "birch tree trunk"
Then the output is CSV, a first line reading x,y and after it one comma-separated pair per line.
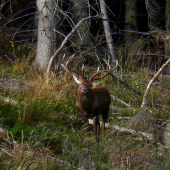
x,y
107,31
46,44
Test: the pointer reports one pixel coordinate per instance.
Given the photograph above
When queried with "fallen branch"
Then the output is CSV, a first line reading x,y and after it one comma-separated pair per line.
x,y
135,133
120,118
120,108
121,101
151,82
116,128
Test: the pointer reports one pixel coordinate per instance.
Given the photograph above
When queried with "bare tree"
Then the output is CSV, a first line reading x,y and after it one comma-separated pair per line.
x,y
144,102
107,31
46,44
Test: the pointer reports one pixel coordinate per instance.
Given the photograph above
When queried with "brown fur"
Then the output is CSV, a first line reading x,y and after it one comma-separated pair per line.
x,y
92,103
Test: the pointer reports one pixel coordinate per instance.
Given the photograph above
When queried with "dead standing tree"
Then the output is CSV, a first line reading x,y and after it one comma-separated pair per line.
x,y
151,82
107,31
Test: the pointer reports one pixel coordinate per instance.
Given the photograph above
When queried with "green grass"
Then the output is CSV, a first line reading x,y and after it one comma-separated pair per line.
x,y
40,124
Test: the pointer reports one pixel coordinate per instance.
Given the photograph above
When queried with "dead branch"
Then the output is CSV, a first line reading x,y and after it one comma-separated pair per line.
x,y
47,74
135,133
121,101
116,128
151,82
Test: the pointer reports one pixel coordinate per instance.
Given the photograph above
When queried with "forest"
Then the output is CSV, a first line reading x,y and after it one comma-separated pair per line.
x,y
84,84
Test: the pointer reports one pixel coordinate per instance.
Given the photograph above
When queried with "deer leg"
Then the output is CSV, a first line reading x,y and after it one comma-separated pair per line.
x,y
104,118
96,128
103,130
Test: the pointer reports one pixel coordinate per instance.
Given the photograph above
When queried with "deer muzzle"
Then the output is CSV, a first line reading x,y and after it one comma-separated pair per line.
x,y
84,90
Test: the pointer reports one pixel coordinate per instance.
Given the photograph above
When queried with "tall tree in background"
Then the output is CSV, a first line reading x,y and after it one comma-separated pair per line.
x,y
80,11
46,44
107,32
131,15
130,25
167,22
154,14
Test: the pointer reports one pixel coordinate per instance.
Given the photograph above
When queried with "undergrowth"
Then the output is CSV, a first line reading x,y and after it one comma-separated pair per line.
x,y
42,130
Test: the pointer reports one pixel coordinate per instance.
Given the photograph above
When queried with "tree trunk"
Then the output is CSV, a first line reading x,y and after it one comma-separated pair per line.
x,y
167,22
46,44
80,11
154,14
130,15
107,31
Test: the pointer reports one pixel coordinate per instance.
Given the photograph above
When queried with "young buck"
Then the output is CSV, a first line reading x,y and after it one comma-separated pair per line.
x,y
92,102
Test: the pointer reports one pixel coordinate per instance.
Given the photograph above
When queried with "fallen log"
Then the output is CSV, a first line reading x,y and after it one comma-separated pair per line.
x,y
118,129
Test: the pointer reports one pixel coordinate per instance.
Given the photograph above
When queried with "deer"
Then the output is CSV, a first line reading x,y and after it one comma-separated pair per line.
x,y
92,102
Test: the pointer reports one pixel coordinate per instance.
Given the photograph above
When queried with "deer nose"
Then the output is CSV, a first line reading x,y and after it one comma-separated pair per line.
x,y
84,90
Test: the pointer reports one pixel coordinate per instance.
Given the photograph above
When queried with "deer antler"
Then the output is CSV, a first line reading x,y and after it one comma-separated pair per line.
x,y
66,63
108,72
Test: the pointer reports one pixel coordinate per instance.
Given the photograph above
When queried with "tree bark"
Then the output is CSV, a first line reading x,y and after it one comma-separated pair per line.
x,y
151,82
167,22
46,44
130,15
107,31
81,11
154,14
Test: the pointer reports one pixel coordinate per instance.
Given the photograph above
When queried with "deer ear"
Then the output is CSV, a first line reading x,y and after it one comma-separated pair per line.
x,y
76,80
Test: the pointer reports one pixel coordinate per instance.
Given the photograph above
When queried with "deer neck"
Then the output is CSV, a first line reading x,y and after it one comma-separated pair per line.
x,y
85,99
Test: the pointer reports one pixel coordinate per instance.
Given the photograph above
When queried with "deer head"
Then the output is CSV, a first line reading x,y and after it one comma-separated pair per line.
x,y
92,102
79,80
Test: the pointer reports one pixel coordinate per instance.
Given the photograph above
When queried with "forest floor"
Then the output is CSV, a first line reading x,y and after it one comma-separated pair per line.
x,y
41,127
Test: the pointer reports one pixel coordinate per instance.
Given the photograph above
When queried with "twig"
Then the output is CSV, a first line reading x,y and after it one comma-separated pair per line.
x,y
151,82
